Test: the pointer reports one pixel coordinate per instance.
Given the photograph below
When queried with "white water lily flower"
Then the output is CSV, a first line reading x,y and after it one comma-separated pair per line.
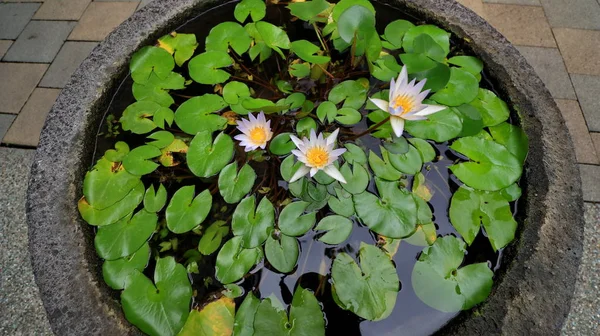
x,y
317,154
406,102
256,132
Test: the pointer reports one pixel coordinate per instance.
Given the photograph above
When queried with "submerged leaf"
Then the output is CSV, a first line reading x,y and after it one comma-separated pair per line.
x,y
214,319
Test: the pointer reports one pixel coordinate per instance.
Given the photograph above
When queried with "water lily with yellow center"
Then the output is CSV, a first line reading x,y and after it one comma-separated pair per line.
x,y
256,132
406,102
317,153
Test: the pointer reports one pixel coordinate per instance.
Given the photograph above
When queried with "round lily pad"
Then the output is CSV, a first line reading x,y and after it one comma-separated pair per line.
x,y
207,157
256,9
150,60
357,178
107,183
253,223
215,318
234,184
113,213
186,212
234,261
154,201
282,253
197,114
212,237
440,126
138,162
338,229
115,272
462,88
206,68
292,220
228,34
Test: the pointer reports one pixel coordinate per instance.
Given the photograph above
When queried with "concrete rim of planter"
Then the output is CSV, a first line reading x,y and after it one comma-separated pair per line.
x,y
531,296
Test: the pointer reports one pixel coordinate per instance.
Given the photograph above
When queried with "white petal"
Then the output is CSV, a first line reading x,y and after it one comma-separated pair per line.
x,y
421,96
430,109
261,118
337,152
241,137
413,117
313,136
419,87
381,104
402,79
392,90
333,137
313,171
332,171
299,143
397,125
303,170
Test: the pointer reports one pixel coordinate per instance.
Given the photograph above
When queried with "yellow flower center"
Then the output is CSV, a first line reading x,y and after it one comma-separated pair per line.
x,y
406,102
258,135
317,157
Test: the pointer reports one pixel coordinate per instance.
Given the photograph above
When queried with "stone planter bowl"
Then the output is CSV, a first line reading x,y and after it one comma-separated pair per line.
x,y
531,295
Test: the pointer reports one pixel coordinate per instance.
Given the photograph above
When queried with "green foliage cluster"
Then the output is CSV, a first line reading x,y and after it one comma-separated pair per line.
x,y
190,198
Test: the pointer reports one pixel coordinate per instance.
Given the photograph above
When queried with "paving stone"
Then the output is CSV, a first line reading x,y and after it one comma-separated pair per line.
x,y
522,25
474,5
100,18
596,141
66,62
25,130
5,121
515,2
22,311
580,50
587,89
23,79
4,45
584,14
40,41
145,2
61,10
549,65
585,151
590,182
14,17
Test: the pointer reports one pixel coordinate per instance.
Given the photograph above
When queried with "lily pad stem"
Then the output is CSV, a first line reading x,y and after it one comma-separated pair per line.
x,y
371,129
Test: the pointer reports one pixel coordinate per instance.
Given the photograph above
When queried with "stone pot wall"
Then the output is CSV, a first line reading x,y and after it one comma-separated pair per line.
x,y
531,296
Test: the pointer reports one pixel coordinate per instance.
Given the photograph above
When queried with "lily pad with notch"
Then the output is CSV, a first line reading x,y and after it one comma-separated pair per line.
x,y
234,184
282,253
207,157
234,261
126,236
197,114
114,212
253,223
293,221
338,229
213,236
185,211
206,68
213,319
115,272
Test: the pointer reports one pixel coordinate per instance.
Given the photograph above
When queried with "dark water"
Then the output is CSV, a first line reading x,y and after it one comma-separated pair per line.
x,y
410,315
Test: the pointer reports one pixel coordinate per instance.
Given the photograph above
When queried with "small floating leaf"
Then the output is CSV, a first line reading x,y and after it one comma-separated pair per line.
x,y
234,91
370,290
468,63
155,201
156,89
257,9
383,168
212,237
282,253
228,34
300,70
305,125
425,149
342,204
206,158
348,116
327,110
471,119
425,235
234,185
493,109
138,162
309,10
288,167
114,212
136,117
181,45
426,45
214,319
461,89
354,154
293,221
409,162
234,261
420,189
116,155
440,36
273,36
281,144
162,139
116,272
513,138
338,229
352,93
441,126
186,212
150,60
357,178
197,114
511,193
253,224
394,33
160,309
206,67
309,52
107,183
126,236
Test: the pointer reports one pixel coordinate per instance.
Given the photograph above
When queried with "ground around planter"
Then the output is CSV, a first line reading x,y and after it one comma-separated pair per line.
x,y
561,39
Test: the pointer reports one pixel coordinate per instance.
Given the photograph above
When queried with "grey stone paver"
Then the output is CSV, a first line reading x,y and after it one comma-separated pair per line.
x,y
5,121
4,45
588,90
522,25
580,49
584,318
14,17
100,18
61,10
25,130
22,310
583,14
596,141
144,3
585,151
19,80
40,41
516,2
549,65
66,62
590,180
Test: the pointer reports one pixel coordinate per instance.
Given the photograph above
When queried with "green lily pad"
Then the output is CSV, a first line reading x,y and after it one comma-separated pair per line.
x,y
292,220
370,290
462,88
288,167
234,261
426,45
300,70
357,178
212,237
138,162
338,229
197,114
393,214
354,154
228,34
160,309
114,212
154,201
395,31
471,119
437,77
115,272
492,166
157,90
273,36
116,155
304,126
408,163
343,5
511,193
206,67
355,21
305,316
206,158
234,185
493,109
420,188
327,110
185,212
513,138
384,131
161,139
136,117
417,63
383,167
440,126
309,52
425,149
282,253
150,60
244,318
386,68
472,208
126,236
281,144
348,116
253,224
468,63
257,9
424,235
182,46
216,318
352,93
108,183
309,10
234,91
342,204
441,284
440,36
